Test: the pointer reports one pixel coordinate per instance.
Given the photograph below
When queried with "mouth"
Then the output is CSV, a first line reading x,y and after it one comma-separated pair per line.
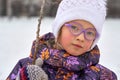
x,y
78,46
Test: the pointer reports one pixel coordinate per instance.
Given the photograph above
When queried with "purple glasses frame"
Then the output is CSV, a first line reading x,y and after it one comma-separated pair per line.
x,y
81,31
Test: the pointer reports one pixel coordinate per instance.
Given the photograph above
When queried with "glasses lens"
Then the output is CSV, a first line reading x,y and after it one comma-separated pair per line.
x,y
74,29
90,34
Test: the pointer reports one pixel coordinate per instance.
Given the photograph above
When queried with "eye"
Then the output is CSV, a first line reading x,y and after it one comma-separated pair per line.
x,y
90,33
75,28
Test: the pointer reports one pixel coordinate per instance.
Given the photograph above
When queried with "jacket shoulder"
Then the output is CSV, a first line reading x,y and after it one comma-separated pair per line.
x,y
106,73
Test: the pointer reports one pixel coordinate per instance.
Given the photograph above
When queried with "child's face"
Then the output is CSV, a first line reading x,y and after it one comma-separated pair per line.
x,y
74,41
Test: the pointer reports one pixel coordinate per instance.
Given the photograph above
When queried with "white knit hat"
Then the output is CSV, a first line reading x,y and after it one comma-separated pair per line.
x,y
93,11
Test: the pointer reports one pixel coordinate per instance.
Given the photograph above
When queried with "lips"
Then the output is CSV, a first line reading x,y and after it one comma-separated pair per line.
x,y
77,45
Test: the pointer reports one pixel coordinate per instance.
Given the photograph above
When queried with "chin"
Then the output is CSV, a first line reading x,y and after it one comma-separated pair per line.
x,y
76,54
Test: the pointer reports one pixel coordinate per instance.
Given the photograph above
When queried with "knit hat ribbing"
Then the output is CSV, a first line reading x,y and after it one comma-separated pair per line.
x,y
93,11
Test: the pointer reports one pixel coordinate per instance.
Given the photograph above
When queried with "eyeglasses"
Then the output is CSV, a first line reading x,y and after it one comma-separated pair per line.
x,y
76,29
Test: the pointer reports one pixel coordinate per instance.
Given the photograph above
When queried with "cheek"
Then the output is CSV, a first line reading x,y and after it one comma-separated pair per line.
x,y
65,38
88,45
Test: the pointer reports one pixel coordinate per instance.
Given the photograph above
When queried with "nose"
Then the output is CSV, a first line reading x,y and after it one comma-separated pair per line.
x,y
80,37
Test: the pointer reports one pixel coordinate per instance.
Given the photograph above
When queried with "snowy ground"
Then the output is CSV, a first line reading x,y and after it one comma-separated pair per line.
x,y
16,36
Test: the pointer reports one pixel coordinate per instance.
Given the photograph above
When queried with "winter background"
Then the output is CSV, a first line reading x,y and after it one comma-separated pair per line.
x,y
17,34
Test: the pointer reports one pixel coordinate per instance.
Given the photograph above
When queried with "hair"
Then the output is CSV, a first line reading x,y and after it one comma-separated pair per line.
x,y
57,40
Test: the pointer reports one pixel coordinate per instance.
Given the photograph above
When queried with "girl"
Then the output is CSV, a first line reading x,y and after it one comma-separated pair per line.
x,y
70,52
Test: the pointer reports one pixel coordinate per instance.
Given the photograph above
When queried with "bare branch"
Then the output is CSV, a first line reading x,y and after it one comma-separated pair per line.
x,y
38,31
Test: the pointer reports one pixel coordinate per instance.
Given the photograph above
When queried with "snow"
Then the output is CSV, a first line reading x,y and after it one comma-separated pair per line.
x,y
17,34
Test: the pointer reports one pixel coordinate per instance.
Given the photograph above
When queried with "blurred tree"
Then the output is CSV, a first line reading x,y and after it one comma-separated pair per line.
x,y
3,6
32,7
114,8
54,7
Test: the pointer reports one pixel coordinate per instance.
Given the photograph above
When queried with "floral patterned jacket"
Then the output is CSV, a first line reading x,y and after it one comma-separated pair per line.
x,y
59,65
